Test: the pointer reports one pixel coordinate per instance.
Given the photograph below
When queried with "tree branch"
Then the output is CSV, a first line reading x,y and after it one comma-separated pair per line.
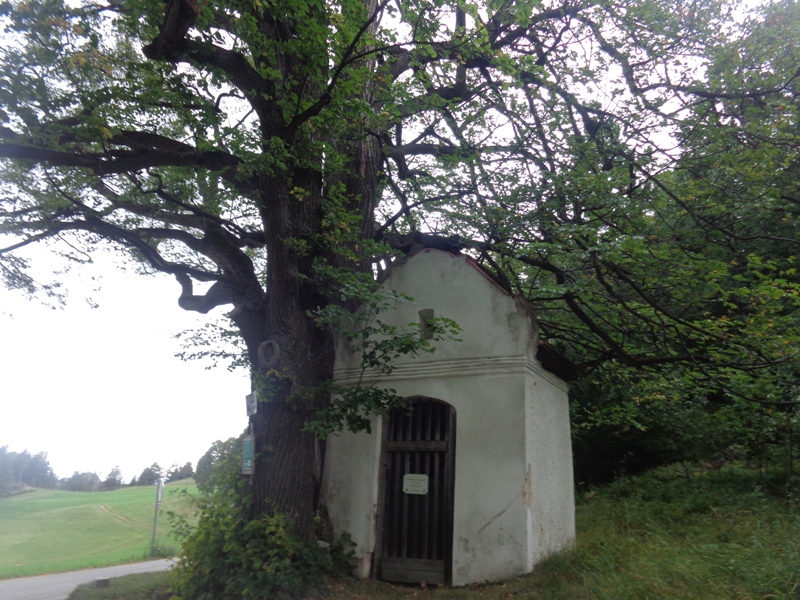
x,y
149,151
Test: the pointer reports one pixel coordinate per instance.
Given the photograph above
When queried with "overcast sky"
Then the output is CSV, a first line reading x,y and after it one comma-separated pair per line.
x,y
101,387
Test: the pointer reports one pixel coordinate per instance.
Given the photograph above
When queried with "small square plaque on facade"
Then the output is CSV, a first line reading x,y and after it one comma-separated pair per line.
x,y
415,483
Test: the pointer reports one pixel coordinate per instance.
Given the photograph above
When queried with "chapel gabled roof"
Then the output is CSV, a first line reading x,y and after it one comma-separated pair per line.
x,y
551,359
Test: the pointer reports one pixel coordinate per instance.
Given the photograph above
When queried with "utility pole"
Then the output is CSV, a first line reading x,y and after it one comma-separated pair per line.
x,y
159,494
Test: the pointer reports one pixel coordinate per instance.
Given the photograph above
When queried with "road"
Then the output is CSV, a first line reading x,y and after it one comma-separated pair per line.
x,y
59,585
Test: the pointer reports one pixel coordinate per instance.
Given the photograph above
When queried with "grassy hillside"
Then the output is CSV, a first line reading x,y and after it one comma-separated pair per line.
x,y
717,535
47,531
720,534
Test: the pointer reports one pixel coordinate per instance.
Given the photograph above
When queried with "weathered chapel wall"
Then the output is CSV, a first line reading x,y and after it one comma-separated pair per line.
x,y
350,487
513,475
549,485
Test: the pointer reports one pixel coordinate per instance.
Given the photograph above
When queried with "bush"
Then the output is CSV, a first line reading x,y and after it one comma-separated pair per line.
x,y
231,554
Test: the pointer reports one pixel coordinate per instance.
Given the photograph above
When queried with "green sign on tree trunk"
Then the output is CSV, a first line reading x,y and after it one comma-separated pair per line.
x,y
247,455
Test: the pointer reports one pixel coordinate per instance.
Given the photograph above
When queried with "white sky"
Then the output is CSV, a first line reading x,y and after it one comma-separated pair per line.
x,y
101,387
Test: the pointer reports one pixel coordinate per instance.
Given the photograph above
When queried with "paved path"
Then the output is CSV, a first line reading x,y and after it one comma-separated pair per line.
x,y
59,585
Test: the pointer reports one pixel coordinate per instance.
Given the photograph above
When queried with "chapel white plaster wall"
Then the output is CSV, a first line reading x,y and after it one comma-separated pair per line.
x,y
350,487
489,542
492,323
502,471
549,488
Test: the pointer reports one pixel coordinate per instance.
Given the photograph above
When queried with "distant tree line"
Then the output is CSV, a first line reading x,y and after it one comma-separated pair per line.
x,y
22,470
150,475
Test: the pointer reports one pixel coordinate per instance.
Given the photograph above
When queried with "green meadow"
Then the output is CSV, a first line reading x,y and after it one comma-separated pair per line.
x,y
673,533
47,531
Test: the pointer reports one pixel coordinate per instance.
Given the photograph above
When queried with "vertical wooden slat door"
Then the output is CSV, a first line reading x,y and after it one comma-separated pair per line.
x,y
417,535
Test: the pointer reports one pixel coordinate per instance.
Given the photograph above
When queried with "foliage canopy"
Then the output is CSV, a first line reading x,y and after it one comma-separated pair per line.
x,y
628,167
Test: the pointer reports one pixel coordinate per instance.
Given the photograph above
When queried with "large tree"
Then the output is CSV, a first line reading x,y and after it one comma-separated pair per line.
x,y
261,152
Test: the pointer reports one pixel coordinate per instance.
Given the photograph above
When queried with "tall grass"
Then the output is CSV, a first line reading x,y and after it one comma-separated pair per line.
x,y
722,534
47,531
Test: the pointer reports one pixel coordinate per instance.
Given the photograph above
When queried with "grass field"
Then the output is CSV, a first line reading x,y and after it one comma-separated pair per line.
x,y
717,535
48,531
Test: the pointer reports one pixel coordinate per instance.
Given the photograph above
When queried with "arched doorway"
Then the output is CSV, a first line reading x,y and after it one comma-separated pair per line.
x,y
417,492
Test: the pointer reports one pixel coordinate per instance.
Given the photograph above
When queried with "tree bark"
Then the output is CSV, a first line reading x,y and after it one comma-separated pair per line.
x,y
289,462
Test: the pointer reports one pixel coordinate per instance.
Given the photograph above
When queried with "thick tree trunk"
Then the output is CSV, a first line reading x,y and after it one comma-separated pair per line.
x,y
292,204
288,466
300,357
289,462
293,209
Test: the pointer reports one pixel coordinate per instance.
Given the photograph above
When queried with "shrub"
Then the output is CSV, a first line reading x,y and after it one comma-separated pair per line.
x,y
231,554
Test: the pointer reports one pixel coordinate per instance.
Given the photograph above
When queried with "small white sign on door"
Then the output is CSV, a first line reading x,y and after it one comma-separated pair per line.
x,y
415,483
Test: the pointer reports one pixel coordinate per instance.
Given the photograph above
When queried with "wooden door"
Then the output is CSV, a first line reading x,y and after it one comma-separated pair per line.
x,y
417,534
